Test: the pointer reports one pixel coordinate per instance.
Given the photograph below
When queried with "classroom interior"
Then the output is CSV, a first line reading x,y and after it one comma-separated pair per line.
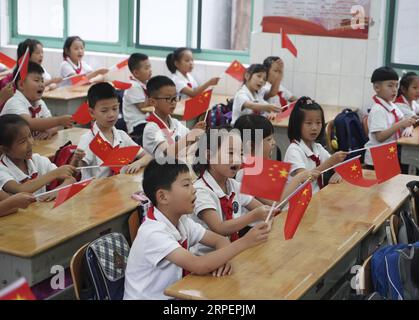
x,y
322,262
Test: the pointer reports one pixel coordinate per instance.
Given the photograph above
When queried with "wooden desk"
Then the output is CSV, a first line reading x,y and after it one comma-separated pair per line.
x,y
65,100
35,239
324,249
281,128
47,148
410,151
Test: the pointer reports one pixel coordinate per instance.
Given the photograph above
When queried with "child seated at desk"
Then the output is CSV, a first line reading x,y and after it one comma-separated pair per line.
x,y
104,108
20,169
27,102
160,253
10,204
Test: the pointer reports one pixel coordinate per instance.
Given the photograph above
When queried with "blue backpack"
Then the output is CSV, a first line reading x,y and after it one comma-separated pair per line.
x,y
395,271
348,133
106,259
220,114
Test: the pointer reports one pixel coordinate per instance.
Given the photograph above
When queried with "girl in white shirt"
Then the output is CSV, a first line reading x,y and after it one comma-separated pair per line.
x,y
250,98
73,64
181,64
408,97
306,127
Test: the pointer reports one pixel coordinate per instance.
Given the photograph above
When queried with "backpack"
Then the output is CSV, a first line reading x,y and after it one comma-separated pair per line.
x,y
220,114
413,187
395,271
408,230
106,259
348,133
63,157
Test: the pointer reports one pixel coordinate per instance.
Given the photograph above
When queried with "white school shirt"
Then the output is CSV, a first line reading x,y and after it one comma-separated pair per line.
x,y
121,139
242,96
153,136
37,165
68,68
405,107
286,94
208,198
18,104
298,154
181,82
134,95
148,272
380,119
46,75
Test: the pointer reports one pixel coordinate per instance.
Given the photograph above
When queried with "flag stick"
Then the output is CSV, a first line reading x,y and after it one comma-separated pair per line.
x,y
96,167
206,116
61,188
21,65
340,164
368,148
270,212
74,76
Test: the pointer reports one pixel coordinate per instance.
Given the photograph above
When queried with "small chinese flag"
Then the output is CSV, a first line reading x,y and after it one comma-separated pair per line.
x,y
23,65
285,114
269,183
120,157
287,44
122,64
100,147
386,161
82,115
351,172
121,85
79,80
18,290
7,61
198,105
69,192
236,70
297,207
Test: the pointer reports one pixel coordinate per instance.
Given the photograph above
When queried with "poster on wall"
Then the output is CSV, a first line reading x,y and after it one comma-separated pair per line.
x,y
329,18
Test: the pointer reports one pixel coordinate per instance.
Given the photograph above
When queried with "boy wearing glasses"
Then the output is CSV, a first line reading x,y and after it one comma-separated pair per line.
x,y
163,135
104,108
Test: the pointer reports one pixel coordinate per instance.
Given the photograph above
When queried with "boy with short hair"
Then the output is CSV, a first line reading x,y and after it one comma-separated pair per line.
x,y
160,253
27,102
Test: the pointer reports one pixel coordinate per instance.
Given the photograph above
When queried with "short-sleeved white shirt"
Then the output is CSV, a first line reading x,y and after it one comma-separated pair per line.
x,y
37,165
181,82
133,96
286,94
68,68
380,119
153,136
298,154
242,96
121,139
407,109
18,104
46,75
208,198
148,272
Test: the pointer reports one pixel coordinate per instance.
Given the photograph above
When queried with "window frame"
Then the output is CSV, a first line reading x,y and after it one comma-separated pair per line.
x,y
126,45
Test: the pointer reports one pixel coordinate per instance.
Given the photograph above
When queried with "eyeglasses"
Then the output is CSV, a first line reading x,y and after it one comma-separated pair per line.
x,y
170,99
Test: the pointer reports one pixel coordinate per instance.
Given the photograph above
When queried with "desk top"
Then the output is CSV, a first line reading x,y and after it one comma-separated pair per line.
x,y
287,269
39,228
47,148
67,93
412,141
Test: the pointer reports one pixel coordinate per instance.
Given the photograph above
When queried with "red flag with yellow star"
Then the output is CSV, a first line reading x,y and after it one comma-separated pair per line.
x,y
82,115
18,290
100,147
7,61
120,157
198,105
121,85
69,192
351,172
236,70
386,161
298,204
269,183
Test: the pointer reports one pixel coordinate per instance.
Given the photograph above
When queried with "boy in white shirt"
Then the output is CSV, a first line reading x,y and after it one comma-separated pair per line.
x,y
136,98
27,102
160,253
104,107
386,122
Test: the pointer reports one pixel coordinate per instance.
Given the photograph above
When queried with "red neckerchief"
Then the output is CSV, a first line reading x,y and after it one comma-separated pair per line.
x,y
142,86
77,70
393,112
316,160
33,176
184,244
160,123
190,85
282,100
227,208
34,111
